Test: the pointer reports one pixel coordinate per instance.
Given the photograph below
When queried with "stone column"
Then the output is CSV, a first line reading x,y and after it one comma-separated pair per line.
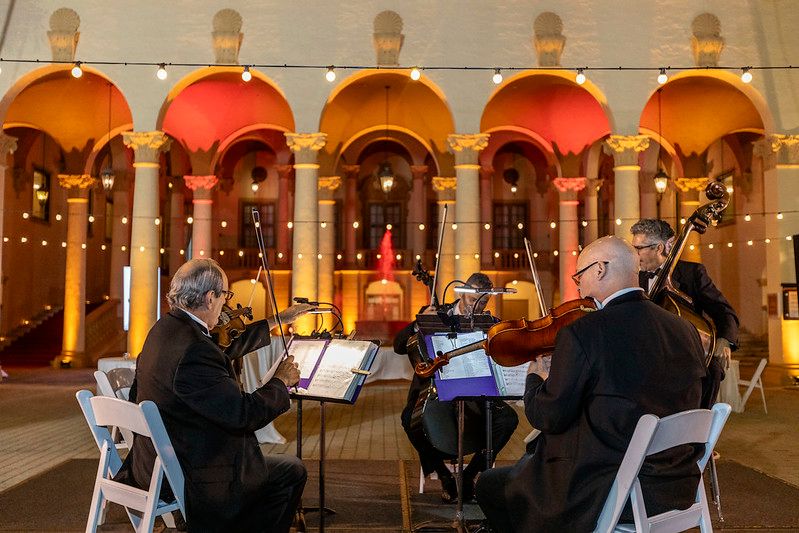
x,y
177,226
446,268
466,149
486,206
282,233
304,277
690,190
327,244
145,248
73,345
417,211
625,150
203,203
568,233
591,231
7,146
780,154
120,245
351,175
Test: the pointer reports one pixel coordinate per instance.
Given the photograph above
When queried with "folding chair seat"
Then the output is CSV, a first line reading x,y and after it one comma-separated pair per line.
x,y
145,420
755,382
653,435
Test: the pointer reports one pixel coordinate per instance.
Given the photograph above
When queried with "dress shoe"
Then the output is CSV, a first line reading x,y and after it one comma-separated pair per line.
x,y
449,489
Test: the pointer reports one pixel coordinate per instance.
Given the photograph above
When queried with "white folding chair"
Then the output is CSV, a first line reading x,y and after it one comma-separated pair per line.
x,y
122,438
755,382
653,435
145,420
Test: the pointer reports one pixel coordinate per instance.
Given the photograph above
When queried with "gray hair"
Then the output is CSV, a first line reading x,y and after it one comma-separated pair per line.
x,y
192,282
654,228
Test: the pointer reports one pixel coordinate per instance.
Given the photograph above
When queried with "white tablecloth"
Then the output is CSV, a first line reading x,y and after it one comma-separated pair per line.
x,y
109,363
254,367
729,391
390,365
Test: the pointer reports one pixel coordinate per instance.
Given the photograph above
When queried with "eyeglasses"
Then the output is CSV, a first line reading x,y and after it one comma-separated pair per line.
x,y
645,246
577,275
228,295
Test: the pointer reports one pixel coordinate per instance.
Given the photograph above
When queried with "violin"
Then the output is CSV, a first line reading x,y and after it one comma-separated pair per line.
x,y
231,324
515,342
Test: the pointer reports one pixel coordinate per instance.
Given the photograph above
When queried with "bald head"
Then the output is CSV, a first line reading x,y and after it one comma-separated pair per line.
x,y
610,264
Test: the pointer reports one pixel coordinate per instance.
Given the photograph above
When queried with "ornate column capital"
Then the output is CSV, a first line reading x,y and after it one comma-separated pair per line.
x,y
305,146
146,145
330,183
690,184
549,40
77,185
625,149
442,184
466,147
569,184
785,149
7,145
352,171
387,38
196,183
283,171
227,36
419,171
64,34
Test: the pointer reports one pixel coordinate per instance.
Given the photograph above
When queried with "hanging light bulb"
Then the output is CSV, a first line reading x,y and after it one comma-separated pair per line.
x,y
497,77
161,72
746,75
254,187
580,78
415,74
77,72
662,77
330,75
246,75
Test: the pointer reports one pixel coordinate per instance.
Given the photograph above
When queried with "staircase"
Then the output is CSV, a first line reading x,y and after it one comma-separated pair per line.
x,y
38,346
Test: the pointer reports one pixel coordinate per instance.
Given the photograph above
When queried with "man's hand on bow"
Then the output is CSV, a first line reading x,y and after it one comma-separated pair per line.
x,y
722,352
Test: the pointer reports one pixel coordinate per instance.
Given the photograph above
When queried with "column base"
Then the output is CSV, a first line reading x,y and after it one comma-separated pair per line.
x,y
71,360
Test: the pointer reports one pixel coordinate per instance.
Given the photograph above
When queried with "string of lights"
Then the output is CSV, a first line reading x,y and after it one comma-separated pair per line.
x,y
329,70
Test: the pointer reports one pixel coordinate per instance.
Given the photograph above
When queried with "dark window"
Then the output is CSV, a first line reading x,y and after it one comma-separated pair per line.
x,y
506,225
432,225
267,214
380,215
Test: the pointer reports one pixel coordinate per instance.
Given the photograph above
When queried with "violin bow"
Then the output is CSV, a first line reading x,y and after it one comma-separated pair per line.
x,y
259,236
536,280
443,224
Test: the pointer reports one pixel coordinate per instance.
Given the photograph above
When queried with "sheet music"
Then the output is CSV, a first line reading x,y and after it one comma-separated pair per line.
x,y
511,380
306,353
334,376
471,365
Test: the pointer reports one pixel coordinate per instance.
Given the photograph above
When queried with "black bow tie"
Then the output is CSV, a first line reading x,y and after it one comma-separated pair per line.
x,y
650,275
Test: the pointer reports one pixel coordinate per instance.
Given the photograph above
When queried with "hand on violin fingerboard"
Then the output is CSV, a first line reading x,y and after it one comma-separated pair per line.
x,y
540,366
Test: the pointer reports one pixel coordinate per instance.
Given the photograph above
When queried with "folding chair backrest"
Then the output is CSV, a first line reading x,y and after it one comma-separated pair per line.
x,y
651,436
103,384
143,419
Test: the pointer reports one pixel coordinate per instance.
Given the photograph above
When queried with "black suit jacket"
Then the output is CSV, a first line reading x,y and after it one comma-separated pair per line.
x,y
693,280
608,369
210,421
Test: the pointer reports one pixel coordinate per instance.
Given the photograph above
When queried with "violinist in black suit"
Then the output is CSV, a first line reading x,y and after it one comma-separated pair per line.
x,y
653,238
608,368
504,418
229,484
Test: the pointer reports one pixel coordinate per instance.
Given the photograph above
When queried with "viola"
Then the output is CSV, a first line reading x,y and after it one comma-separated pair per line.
x,y
231,324
515,342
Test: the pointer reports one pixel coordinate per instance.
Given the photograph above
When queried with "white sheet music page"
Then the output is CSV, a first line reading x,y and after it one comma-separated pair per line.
x,y
470,365
511,379
334,376
306,353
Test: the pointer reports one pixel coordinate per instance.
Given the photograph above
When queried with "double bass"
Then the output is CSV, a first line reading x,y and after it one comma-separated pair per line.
x,y
665,294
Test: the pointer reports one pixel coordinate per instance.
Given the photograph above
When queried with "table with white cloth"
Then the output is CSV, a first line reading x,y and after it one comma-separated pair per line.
x,y
109,363
729,391
390,365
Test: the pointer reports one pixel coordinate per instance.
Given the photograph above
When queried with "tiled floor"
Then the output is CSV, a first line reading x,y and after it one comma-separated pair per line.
x,y
41,426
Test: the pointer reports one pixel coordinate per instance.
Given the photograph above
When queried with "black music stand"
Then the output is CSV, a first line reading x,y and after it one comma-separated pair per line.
x,y
431,324
360,379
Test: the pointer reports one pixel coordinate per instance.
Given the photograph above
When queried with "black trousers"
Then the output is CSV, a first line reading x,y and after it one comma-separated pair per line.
x,y
503,423
286,476
490,493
